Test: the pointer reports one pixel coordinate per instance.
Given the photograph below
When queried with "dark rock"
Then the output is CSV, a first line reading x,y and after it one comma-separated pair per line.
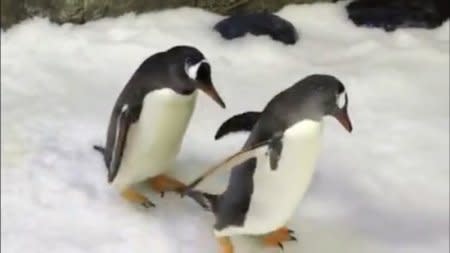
x,y
393,14
39,8
81,11
12,12
67,11
257,24
252,6
220,6
117,7
95,9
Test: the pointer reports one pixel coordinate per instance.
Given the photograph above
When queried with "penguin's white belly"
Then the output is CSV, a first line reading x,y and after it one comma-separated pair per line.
x,y
155,139
277,193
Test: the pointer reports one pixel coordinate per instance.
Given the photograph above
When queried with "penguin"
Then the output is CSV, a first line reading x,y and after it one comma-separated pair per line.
x,y
273,170
149,120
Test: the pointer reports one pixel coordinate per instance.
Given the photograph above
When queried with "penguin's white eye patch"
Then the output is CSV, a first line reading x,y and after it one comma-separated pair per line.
x,y
341,100
192,69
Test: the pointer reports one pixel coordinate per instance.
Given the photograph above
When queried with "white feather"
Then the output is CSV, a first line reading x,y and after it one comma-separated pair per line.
x,y
341,100
155,139
192,70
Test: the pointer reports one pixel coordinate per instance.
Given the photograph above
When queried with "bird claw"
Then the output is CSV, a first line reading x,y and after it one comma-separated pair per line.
x,y
197,197
180,190
281,246
148,204
292,236
279,237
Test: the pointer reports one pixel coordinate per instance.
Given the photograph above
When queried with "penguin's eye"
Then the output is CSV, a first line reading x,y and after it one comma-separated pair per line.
x,y
341,100
189,61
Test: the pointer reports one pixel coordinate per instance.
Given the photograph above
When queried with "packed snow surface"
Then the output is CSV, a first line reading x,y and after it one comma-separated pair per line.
x,y
383,188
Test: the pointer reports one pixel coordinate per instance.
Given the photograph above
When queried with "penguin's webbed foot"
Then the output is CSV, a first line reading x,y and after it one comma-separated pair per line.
x,y
163,184
148,204
278,237
225,245
136,197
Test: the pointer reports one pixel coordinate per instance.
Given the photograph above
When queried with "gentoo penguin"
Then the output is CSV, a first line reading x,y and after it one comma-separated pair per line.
x,y
150,117
274,168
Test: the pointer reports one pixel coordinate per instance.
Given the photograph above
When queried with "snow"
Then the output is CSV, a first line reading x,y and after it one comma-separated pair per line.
x,y
383,188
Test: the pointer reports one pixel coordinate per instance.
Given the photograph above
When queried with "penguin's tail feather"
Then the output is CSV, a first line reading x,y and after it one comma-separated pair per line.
x,y
99,149
206,200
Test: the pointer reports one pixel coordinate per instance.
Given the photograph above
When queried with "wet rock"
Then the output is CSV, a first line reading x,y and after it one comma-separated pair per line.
x,y
12,12
393,14
81,11
72,11
263,23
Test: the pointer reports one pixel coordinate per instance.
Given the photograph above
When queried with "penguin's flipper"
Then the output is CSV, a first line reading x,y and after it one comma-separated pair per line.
x,y
240,122
268,147
274,151
123,122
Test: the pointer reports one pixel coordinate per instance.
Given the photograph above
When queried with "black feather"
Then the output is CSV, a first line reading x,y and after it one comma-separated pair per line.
x,y
240,122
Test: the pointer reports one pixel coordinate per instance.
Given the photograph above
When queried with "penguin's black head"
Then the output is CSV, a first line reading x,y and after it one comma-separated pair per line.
x,y
335,102
317,96
192,65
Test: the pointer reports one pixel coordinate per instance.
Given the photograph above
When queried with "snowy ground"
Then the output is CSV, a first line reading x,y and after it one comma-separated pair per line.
x,y
383,188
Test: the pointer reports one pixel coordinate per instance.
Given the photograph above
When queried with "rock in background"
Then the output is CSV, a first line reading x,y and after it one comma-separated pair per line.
x,y
81,11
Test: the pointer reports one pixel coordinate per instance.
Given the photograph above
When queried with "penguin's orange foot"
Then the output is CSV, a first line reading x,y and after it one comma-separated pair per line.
x,y
136,197
225,245
164,184
278,237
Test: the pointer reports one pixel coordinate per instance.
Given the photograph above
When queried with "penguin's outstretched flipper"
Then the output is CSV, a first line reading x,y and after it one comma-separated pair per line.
x,y
270,147
240,122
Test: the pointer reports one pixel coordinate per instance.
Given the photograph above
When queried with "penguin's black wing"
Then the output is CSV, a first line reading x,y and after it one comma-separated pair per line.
x,y
117,136
127,110
240,122
271,147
